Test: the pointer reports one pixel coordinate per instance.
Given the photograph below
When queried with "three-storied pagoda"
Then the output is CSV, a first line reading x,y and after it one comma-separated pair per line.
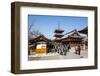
x,y
58,35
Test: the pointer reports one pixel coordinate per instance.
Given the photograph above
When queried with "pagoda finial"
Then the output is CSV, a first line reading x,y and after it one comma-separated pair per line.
x,y
58,26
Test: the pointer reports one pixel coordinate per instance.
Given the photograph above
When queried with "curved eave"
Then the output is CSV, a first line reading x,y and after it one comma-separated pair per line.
x,y
58,35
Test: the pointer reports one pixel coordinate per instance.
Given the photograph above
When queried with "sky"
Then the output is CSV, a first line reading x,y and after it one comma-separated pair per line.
x,y
46,24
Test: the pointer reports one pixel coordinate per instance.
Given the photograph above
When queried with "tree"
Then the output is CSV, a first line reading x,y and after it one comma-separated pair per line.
x,y
32,32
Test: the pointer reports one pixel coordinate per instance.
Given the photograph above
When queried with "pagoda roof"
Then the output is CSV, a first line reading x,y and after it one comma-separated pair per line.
x,y
40,38
59,31
58,35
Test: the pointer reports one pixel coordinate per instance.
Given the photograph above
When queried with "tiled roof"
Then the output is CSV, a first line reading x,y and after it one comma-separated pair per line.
x,y
75,34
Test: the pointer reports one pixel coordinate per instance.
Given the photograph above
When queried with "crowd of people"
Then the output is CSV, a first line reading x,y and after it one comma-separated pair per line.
x,y
62,49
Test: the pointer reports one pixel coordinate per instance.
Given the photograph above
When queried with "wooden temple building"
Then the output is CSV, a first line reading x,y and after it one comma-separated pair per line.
x,y
38,44
84,30
73,38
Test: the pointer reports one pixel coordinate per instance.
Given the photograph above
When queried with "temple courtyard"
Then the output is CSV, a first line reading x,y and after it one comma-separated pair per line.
x,y
55,56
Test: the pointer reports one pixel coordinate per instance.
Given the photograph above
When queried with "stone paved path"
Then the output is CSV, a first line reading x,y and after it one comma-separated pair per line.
x,y
52,56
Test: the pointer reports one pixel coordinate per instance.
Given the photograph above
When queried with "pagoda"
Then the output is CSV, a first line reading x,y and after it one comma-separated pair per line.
x,y
58,35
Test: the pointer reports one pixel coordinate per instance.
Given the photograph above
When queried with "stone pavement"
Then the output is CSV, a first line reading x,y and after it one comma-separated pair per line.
x,y
53,56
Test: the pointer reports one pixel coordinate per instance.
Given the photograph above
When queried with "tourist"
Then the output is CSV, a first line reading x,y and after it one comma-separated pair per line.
x,y
65,50
76,50
79,50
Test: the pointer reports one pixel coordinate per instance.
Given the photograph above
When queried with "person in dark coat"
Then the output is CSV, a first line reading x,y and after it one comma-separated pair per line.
x,y
65,49
68,46
78,50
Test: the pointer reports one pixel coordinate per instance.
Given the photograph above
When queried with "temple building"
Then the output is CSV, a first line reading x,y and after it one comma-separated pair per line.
x,y
38,45
84,31
42,45
74,38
